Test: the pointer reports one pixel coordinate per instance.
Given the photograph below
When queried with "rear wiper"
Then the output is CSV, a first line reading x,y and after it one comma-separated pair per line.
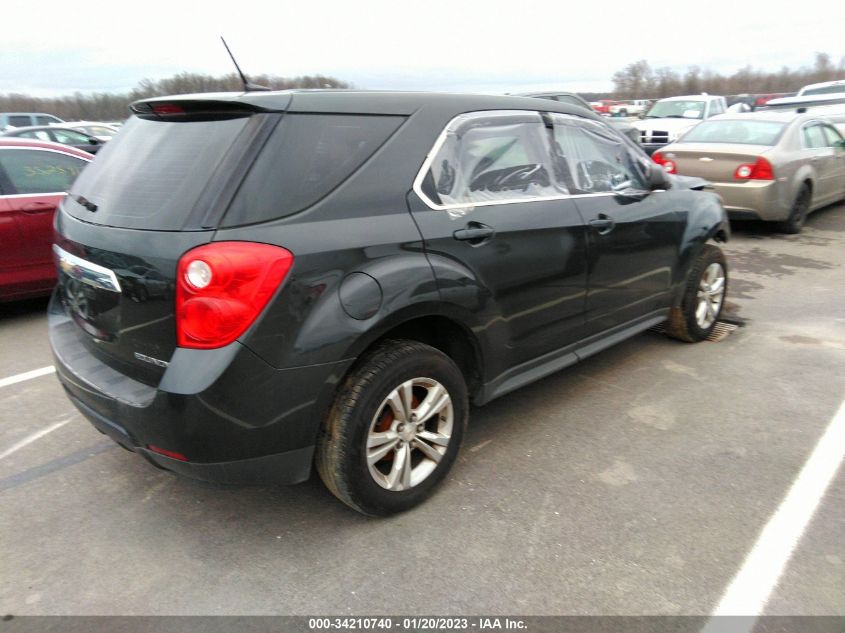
x,y
86,203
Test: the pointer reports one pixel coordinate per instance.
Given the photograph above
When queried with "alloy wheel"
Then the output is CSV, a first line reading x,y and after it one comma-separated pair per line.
x,y
409,434
711,294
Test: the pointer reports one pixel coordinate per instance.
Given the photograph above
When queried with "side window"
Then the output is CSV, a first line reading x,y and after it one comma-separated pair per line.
x,y
69,137
832,135
814,137
41,135
591,159
20,120
36,171
492,157
716,108
46,120
307,157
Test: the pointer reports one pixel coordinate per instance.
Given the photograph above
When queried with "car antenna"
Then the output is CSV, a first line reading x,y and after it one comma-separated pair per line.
x,y
248,86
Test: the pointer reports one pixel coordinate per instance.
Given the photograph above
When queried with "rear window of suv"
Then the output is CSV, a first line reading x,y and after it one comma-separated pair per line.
x,y
151,175
306,158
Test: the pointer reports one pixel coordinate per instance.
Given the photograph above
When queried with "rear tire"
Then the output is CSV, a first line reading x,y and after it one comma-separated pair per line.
x,y
704,297
395,428
798,213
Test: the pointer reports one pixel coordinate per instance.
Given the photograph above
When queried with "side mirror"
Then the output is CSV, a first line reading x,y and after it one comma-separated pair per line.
x,y
657,178
93,141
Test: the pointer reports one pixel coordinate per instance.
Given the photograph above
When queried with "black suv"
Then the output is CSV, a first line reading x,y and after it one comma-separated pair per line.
x,y
332,277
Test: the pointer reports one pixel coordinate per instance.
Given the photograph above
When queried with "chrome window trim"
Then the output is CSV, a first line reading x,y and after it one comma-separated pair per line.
x,y
441,139
7,196
45,149
85,271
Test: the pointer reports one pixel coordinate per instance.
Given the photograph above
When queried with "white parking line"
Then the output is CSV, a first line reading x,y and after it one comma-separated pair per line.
x,y
35,373
35,436
752,586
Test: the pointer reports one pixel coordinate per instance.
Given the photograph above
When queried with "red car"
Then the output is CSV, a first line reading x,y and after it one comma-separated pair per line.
x,y
34,178
602,106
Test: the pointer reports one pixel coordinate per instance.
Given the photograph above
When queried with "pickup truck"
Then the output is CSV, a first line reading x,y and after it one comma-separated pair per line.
x,y
634,107
669,118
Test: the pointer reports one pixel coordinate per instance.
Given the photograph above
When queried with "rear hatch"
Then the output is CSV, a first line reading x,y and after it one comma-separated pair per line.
x,y
712,161
155,191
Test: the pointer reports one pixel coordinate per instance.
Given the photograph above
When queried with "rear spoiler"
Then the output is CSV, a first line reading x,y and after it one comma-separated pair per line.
x,y
207,106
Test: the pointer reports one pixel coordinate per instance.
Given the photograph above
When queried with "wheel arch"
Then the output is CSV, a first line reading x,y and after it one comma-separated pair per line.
x,y
707,222
432,326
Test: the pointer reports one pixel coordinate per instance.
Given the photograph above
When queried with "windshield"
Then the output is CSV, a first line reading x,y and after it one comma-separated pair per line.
x,y
677,109
735,131
825,90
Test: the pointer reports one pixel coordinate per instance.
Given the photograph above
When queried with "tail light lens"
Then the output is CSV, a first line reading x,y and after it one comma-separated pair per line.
x,y
668,165
222,287
761,170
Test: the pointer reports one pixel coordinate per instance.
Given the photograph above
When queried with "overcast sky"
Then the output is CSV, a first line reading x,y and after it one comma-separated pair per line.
x,y
54,48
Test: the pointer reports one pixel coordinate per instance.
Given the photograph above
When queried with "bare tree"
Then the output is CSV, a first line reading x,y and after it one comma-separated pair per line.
x,y
637,81
103,106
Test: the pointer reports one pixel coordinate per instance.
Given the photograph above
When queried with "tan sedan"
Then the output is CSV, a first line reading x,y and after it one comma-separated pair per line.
x,y
769,165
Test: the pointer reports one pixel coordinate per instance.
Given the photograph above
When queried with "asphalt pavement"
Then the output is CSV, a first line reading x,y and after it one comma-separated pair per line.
x,y
636,482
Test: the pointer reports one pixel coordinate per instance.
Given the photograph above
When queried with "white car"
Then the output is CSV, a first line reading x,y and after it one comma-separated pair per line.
x,y
633,107
100,131
830,105
824,88
669,118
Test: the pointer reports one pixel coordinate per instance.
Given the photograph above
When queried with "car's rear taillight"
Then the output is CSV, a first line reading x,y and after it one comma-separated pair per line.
x,y
669,166
761,170
222,287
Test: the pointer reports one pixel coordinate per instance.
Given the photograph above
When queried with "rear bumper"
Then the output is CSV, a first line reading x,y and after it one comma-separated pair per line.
x,y
754,199
289,467
235,418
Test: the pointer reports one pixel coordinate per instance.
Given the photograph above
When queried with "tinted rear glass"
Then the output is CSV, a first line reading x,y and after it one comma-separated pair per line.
x,y
306,157
734,131
152,173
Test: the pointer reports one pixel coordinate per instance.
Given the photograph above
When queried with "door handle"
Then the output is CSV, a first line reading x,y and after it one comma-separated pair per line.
x,y
603,224
474,233
38,207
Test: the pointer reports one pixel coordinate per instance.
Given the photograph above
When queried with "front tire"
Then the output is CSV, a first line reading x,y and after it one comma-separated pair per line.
x,y
704,297
395,428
